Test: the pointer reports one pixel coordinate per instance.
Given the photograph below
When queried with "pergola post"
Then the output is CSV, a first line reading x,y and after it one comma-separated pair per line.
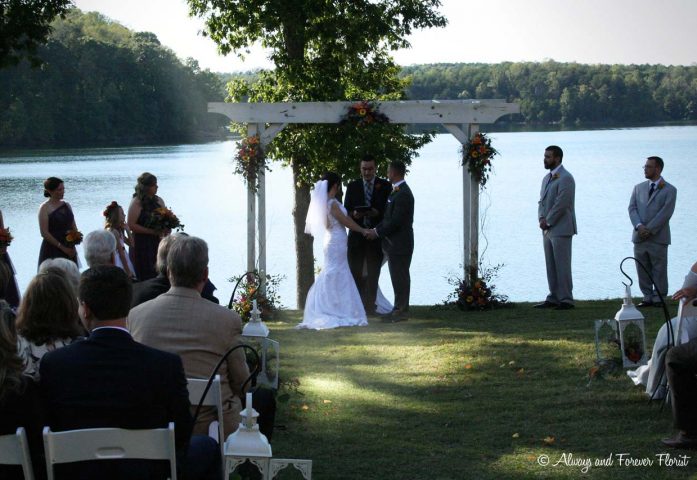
x,y
252,130
472,263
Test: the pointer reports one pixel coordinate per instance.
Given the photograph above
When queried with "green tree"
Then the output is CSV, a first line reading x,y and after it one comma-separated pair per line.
x,y
25,25
322,51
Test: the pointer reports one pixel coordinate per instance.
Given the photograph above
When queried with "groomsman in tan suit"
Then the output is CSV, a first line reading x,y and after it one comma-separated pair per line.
x,y
199,331
650,208
557,220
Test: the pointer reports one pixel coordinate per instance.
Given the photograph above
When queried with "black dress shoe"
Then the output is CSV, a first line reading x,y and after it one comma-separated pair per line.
x,y
681,440
565,306
545,304
645,303
394,316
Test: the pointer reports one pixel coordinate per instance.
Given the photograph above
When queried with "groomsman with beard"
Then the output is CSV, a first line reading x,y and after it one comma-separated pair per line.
x,y
650,208
557,220
365,201
397,236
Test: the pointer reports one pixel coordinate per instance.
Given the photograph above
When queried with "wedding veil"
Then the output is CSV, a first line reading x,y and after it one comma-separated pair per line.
x,y
316,220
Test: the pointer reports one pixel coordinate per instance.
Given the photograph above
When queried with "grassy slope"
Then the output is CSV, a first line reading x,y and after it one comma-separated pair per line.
x,y
442,396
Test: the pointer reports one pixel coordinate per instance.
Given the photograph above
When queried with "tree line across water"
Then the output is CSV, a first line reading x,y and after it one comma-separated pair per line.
x,y
102,84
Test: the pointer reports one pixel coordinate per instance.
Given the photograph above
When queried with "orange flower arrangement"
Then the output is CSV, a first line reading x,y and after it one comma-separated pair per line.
x,y
5,237
476,155
364,113
250,159
73,237
476,292
164,219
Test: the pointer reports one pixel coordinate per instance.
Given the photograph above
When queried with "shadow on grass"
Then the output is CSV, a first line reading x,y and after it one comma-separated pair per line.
x,y
447,395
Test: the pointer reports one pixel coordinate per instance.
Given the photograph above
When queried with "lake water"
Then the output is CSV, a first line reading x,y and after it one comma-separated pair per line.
x,y
197,183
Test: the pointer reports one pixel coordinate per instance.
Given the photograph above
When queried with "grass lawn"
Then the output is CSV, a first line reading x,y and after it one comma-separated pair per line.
x,y
453,395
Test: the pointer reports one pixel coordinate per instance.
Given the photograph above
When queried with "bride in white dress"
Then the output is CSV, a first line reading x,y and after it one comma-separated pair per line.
x,y
333,300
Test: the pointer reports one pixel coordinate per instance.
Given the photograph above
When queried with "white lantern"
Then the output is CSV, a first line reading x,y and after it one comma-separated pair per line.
x,y
630,324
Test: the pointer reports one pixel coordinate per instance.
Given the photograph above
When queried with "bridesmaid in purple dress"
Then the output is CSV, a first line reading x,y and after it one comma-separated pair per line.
x,y
145,239
56,219
11,293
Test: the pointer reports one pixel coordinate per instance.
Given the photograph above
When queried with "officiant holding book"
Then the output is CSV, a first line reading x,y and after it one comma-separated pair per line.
x,y
365,202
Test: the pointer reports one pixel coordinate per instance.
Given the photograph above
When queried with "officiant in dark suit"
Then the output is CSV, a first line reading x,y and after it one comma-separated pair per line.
x,y
365,202
397,236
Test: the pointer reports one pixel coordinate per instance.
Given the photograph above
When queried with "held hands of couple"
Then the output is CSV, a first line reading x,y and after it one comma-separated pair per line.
x,y
370,233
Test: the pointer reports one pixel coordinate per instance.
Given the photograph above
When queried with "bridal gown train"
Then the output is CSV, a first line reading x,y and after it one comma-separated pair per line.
x,y
333,300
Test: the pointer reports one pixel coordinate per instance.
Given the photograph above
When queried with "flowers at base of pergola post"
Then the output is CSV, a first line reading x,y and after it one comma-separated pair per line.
x,y
364,113
250,160
476,156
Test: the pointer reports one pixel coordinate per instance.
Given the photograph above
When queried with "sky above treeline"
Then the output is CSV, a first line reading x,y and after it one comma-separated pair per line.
x,y
486,31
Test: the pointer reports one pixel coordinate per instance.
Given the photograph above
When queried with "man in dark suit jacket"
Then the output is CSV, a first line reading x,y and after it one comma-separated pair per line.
x,y
397,236
154,287
110,380
364,254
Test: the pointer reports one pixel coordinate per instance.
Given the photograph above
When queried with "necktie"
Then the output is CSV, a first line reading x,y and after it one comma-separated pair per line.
x,y
652,189
368,190
549,179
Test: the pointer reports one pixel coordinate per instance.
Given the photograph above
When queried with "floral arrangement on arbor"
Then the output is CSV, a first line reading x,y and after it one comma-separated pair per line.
x,y
364,113
5,237
476,155
476,292
250,159
73,237
164,219
267,303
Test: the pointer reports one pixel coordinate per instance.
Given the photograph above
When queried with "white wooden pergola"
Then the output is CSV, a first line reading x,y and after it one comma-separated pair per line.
x,y
459,117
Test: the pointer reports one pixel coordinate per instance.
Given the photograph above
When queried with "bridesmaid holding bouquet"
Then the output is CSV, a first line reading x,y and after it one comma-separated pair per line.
x,y
11,293
57,224
146,234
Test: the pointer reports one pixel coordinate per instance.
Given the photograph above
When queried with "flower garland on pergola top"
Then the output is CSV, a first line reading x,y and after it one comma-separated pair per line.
x,y
364,113
476,155
250,160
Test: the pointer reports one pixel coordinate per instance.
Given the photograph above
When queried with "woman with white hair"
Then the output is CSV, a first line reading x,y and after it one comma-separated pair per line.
x,y
64,267
100,248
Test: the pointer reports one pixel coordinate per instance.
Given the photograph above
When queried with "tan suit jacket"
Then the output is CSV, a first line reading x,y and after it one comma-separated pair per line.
x,y
200,332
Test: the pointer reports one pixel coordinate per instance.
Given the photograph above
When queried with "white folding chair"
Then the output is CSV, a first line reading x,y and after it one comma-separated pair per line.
x,y
14,450
687,308
214,398
109,444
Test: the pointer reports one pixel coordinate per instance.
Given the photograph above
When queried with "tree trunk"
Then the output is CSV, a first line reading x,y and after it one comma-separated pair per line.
x,y
305,260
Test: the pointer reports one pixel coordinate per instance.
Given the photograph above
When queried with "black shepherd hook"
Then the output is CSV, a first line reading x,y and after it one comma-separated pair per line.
x,y
232,297
631,282
669,325
255,372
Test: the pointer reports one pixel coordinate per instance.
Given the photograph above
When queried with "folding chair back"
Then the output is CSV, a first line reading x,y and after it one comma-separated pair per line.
x,y
109,444
687,308
214,398
14,450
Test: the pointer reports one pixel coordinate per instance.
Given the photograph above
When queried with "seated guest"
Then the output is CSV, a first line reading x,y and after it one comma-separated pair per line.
x,y
109,380
64,267
653,373
181,322
154,287
681,367
100,248
19,400
47,319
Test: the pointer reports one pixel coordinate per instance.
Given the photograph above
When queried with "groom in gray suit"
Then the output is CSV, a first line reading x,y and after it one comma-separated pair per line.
x,y
397,234
650,209
557,220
